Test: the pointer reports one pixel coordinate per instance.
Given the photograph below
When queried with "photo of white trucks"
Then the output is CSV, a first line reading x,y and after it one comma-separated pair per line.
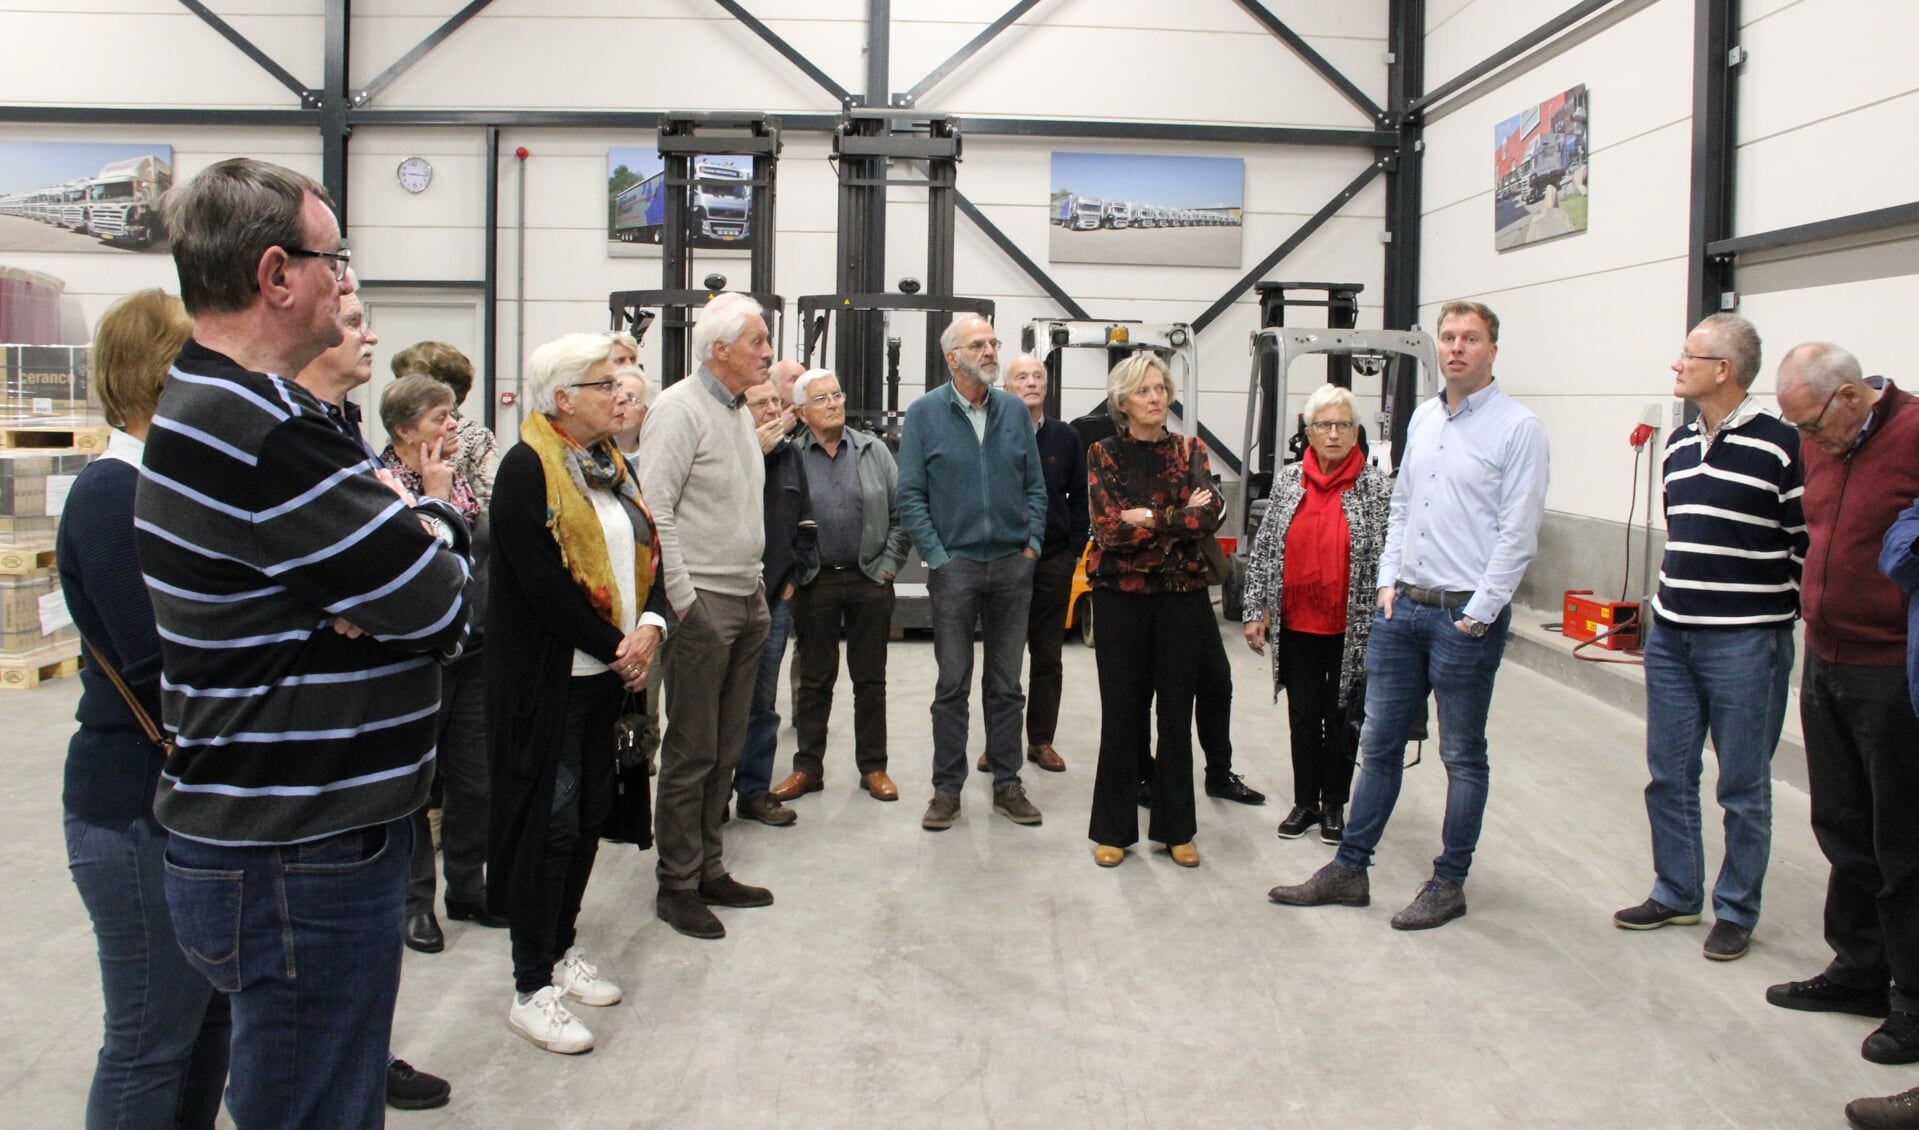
x,y
719,202
119,205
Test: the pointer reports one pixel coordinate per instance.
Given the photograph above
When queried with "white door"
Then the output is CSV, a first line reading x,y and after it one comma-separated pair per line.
x,y
403,317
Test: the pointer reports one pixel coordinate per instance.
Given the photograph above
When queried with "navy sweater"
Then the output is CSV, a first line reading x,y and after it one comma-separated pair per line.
x,y
111,768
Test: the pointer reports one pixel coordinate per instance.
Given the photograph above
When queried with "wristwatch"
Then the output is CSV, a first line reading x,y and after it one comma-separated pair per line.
x,y
1474,628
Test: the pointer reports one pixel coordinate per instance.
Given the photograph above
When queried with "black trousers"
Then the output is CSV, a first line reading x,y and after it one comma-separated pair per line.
x,y
1322,743
1045,634
1149,658
1212,713
835,599
462,774
543,915
1862,760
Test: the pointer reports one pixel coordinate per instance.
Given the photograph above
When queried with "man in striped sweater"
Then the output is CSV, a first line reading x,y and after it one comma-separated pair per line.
x,y
1719,648
302,608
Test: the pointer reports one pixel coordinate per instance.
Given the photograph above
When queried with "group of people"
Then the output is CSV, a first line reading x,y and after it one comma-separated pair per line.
x,y
288,638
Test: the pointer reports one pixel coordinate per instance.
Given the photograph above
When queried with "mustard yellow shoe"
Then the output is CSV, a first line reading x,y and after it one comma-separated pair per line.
x,y
1108,856
1186,855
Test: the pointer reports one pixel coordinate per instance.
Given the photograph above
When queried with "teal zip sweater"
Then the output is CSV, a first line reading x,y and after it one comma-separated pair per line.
x,y
960,497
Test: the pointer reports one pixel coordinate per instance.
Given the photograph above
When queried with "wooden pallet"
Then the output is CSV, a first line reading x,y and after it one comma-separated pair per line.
x,y
24,560
24,672
88,440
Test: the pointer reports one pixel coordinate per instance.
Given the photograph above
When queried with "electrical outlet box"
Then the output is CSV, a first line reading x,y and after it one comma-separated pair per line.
x,y
1678,416
1654,416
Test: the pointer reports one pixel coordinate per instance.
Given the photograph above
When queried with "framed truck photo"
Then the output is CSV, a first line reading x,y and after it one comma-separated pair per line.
x,y
718,201
82,196
1539,172
1146,210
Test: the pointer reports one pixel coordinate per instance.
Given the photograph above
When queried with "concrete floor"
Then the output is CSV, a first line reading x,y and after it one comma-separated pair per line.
x,y
993,976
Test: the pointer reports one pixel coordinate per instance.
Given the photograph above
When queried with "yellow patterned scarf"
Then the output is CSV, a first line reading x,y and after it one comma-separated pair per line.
x,y
571,470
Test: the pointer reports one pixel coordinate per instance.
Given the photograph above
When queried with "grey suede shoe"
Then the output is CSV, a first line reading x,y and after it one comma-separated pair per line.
x,y
1330,884
1438,902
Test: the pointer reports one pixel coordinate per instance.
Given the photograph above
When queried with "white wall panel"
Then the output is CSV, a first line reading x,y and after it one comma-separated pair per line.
x,y
1853,162
1462,33
1864,317
168,58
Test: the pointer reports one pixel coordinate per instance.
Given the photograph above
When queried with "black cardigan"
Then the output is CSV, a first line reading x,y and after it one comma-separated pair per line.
x,y
536,618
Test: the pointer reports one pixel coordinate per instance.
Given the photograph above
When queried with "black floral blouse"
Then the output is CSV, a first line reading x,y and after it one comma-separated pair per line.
x,y
1123,473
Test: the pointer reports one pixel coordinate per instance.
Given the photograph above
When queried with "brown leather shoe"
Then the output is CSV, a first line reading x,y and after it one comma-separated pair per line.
x,y
880,785
983,767
797,784
1046,758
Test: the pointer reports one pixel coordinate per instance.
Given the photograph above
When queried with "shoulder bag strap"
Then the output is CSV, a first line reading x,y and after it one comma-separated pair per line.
x,y
139,712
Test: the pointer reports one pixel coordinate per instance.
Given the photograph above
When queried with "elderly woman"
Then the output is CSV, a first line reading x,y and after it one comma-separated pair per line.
x,y
636,396
576,606
418,412
1151,501
1309,590
478,454
163,1062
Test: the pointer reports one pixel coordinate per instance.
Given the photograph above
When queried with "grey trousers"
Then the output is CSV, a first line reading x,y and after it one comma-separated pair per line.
x,y
709,690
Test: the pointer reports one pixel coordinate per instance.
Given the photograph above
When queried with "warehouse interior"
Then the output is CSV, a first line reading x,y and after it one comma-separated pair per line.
x,y
994,977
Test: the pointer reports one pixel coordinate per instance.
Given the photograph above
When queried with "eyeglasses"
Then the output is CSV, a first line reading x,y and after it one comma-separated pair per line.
x,y
1328,427
1820,418
1685,356
976,346
604,386
833,397
337,261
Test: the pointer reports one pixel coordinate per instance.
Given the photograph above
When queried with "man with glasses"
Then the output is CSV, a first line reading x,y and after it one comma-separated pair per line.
x,y
854,485
973,499
1719,642
790,554
1861,457
700,470
1466,507
303,612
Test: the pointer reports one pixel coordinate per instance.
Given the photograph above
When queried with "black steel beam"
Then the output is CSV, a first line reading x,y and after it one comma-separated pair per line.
x,y
156,116
1839,227
1511,51
1313,58
567,119
1714,146
788,51
879,51
246,46
334,103
490,318
1406,39
1178,131
1033,270
972,47
406,61
1312,224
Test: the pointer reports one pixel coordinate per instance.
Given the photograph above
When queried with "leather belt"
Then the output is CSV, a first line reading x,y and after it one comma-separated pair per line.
x,y
1432,598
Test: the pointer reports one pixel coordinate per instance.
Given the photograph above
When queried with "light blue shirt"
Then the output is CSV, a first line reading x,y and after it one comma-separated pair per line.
x,y
1468,500
975,413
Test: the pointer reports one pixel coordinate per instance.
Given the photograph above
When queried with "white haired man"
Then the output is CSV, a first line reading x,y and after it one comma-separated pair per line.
x,y
701,469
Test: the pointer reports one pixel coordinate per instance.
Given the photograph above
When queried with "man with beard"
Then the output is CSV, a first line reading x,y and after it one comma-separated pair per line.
x,y
972,495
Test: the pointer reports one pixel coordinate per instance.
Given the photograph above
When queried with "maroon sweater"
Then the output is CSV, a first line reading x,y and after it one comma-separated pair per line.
x,y
1853,613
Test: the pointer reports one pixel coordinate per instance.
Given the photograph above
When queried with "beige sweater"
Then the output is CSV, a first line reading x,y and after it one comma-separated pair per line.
x,y
702,477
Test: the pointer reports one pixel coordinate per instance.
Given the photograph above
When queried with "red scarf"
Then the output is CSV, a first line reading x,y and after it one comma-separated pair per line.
x,y
1319,548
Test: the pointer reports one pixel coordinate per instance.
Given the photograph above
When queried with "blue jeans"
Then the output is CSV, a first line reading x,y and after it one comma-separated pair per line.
x,y
1417,652
1730,682
163,1062
754,774
993,596
305,941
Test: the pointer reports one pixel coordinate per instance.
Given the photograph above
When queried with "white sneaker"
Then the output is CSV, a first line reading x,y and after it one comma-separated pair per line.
x,y
544,1022
580,979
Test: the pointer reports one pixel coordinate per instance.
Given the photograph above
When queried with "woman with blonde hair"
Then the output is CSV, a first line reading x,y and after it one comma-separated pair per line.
x,y
1309,592
164,1059
1151,501
574,620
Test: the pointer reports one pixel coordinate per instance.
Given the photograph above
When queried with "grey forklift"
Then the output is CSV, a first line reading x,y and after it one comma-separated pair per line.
x,y
1402,362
